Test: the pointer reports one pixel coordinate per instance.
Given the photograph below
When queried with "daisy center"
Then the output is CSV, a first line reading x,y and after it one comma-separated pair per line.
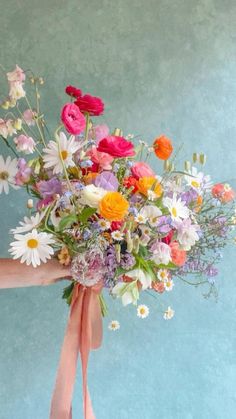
x,y
174,212
142,310
32,243
162,275
195,184
64,154
4,175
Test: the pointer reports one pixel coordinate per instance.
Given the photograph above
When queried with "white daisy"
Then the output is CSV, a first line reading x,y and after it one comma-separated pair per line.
x,y
32,247
140,218
29,223
163,274
177,208
114,325
168,314
151,213
104,224
56,152
8,170
168,284
142,311
117,235
198,181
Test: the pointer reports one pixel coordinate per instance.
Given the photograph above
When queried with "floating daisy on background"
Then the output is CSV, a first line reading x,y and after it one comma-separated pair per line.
x,y
32,247
168,284
114,325
29,223
168,314
8,170
163,274
60,152
142,311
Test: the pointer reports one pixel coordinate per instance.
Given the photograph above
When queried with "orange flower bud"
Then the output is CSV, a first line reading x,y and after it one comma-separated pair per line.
x,y
163,147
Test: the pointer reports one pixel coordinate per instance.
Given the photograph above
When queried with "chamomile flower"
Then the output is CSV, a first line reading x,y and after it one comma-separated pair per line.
x,y
114,325
142,311
59,153
104,224
140,218
8,170
177,208
168,314
117,235
32,247
163,275
29,223
168,284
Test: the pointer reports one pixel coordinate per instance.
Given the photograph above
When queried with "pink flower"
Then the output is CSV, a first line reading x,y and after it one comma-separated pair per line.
x,y
17,75
73,119
98,132
28,117
223,192
141,169
161,253
24,144
116,146
104,160
178,256
24,172
3,128
90,104
73,91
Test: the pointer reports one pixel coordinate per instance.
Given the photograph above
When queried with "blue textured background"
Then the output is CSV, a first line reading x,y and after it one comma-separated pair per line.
x,y
160,66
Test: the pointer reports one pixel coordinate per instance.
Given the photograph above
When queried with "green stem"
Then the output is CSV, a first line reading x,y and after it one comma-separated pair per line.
x,y
9,146
87,127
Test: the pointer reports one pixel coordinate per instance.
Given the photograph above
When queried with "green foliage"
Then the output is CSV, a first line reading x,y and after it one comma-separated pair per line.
x,y
68,292
85,214
67,221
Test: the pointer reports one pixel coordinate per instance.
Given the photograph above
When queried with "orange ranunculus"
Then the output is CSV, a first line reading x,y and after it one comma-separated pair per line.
x,y
88,179
145,184
163,147
113,206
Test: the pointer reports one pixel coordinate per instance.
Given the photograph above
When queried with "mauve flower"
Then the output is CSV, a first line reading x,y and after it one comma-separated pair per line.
x,y
116,146
127,261
164,224
88,268
49,188
107,180
24,144
73,119
189,196
90,104
141,169
24,172
161,253
73,91
98,132
103,160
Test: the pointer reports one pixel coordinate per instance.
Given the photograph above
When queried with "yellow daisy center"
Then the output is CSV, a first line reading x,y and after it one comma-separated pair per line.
x,y
195,184
32,243
162,274
4,175
174,212
64,154
142,310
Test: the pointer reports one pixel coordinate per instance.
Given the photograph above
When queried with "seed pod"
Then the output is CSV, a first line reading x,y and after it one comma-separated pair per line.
x,y
167,165
117,250
187,165
118,132
129,242
202,158
195,157
136,243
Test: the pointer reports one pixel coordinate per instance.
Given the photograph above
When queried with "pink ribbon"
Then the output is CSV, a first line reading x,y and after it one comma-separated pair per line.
x,y
84,332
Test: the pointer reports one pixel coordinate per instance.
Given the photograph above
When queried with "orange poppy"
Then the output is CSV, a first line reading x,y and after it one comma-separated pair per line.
x,y
163,147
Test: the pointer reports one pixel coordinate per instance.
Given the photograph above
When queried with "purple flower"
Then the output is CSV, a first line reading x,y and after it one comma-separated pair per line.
x,y
189,196
24,172
127,261
49,188
164,224
107,181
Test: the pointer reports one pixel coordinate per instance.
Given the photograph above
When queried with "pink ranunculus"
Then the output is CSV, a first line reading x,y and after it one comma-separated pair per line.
x,y
73,119
178,256
90,104
98,132
116,146
104,160
73,91
24,144
141,169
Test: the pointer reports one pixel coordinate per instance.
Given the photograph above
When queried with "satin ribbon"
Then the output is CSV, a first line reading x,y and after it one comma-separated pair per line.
x,y
83,332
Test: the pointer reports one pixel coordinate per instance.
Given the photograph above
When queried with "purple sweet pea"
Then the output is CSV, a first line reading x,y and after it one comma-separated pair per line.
x,y
107,181
49,188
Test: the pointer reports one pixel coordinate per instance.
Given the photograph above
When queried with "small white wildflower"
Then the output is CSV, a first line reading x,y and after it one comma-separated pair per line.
x,y
104,224
168,284
114,325
117,235
140,219
169,313
142,311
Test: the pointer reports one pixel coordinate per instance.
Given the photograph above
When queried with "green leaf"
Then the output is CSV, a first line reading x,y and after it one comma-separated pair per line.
x,y
85,214
67,293
67,221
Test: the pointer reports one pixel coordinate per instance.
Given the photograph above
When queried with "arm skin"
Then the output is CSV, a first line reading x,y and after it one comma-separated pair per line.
x,y
14,274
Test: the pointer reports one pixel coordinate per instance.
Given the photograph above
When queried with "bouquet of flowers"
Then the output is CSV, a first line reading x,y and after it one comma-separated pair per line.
x,y
97,205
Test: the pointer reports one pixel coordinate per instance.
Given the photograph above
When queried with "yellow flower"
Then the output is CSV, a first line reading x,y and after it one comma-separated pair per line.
x,y
146,184
113,206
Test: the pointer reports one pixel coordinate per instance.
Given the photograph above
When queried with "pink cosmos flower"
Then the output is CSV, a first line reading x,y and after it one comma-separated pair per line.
x,y
116,146
73,119
141,169
104,160
24,144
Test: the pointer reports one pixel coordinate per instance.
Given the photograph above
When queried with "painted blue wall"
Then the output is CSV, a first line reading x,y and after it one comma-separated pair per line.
x,y
160,66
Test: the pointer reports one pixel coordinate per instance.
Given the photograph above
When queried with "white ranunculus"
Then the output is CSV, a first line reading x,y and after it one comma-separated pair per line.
x,y
151,212
91,195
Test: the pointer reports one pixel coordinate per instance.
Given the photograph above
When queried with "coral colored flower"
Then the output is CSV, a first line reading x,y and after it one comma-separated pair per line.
x,y
116,146
141,169
223,192
158,286
130,182
90,104
73,119
113,206
178,256
73,91
145,184
104,160
163,147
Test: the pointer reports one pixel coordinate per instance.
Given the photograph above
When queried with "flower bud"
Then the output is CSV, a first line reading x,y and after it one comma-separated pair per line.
x,y
187,165
195,157
17,124
30,203
117,250
41,80
5,105
202,158
118,132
